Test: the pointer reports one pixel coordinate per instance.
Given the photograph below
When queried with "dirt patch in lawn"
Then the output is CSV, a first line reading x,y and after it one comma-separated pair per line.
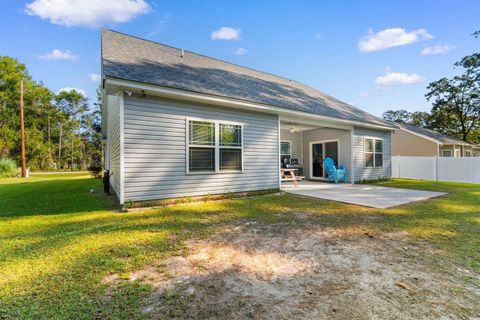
x,y
299,270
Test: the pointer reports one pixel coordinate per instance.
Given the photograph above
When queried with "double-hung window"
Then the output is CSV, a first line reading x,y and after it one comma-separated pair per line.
x,y
285,151
214,146
373,152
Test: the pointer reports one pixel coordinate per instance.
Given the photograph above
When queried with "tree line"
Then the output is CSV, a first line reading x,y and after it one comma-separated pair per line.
x,y
62,131
455,103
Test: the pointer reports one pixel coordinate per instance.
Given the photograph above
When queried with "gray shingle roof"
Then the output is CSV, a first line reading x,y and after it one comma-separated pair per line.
x,y
135,59
440,137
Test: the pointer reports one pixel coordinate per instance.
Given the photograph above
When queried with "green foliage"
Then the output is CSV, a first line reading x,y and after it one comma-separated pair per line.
x,y
378,180
129,204
7,167
148,203
60,130
95,171
400,116
456,103
420,119
417,118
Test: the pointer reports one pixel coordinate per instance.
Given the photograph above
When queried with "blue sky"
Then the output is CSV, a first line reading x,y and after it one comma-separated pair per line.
x,y
366,53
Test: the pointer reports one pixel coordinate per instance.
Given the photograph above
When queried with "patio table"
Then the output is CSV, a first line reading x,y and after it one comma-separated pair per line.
x,y
292,178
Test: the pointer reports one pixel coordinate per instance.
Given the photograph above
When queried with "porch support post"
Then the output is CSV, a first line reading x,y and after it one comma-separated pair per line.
x,y
279,158
352,158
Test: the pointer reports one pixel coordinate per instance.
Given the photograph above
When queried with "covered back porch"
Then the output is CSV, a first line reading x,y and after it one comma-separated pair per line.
x,y
305,145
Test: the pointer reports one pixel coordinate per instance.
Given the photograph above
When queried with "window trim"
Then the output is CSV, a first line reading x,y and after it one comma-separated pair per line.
x,y
216,146
372,152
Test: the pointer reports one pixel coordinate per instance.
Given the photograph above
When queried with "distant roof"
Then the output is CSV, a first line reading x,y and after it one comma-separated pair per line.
x,y
140,60
439,137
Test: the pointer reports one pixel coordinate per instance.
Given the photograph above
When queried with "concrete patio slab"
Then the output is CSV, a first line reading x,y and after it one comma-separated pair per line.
x,y
364,195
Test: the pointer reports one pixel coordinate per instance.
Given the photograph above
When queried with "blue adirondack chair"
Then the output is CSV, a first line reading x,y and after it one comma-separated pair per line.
x,y
334,174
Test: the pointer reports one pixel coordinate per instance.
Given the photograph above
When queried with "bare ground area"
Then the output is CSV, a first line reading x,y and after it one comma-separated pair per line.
x,y
301,270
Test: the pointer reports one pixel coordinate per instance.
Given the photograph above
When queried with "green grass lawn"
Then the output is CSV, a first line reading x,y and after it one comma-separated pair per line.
x,y
58,241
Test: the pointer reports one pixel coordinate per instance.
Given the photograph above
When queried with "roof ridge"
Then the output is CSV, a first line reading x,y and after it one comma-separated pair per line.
x,y
202,55
297,95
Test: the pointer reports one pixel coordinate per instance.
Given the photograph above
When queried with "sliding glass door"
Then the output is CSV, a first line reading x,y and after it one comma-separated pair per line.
x,y
320,151
317,160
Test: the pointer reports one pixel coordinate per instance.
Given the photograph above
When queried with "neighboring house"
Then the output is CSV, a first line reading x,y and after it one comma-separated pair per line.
x,y
409,140
180,124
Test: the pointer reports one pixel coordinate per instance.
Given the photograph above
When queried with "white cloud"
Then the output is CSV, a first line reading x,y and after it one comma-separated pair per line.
x,y
396,78
366,94
87,13
94,77
226,33
438,49
68,89
318,35
389,38
241,51
57,54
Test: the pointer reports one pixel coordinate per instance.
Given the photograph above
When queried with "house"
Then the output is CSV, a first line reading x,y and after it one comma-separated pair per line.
x,y
410,140
177,124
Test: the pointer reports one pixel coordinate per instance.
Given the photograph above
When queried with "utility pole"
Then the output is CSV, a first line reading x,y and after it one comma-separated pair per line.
x,y
22,129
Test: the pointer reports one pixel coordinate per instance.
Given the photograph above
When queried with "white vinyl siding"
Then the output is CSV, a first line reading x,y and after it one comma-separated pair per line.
x,y
369,173
113,151
155,150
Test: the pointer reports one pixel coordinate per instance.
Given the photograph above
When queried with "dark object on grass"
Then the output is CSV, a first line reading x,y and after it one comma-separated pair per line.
x,y
95,171
106,181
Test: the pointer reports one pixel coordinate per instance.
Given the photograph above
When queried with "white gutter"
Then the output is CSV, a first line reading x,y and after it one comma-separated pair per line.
x,y
212,99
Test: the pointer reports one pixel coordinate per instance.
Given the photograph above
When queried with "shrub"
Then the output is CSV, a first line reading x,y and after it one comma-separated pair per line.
x,y
128,204
8,168
380,179
148,203
95,171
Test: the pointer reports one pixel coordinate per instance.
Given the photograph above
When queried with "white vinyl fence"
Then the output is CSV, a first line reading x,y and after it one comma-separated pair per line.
x,y
464,169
